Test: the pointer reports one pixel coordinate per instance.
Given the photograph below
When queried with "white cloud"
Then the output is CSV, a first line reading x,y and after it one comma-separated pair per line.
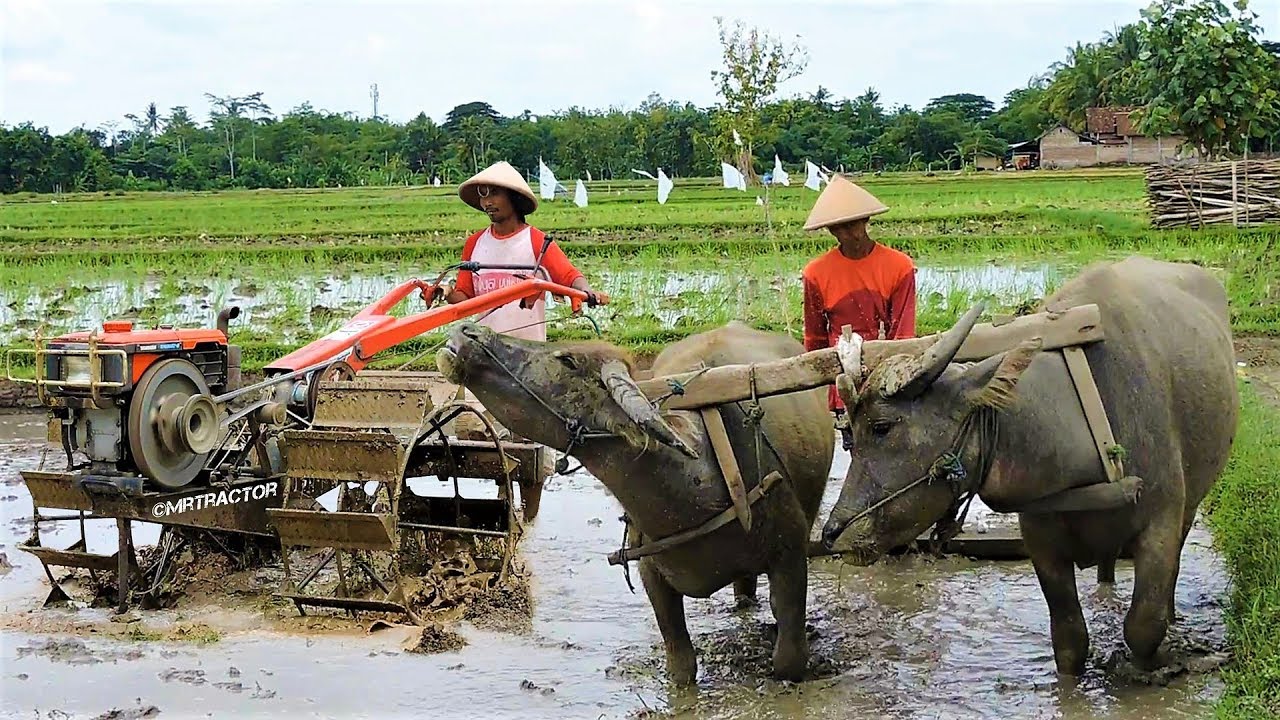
x,y
34,73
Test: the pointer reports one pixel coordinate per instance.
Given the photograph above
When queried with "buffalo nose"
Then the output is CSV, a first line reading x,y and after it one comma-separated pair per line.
x,y
830,533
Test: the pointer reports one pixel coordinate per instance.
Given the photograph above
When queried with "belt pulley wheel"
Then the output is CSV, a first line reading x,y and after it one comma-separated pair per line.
x,y
170,423
339,370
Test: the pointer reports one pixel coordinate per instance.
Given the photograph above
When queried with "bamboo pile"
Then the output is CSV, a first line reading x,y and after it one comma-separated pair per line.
x,y
1244,193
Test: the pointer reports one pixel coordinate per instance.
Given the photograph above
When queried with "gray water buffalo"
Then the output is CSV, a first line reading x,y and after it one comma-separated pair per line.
x,y
1166,375
662,469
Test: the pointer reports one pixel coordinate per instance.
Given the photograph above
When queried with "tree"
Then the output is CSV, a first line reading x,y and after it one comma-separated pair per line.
x,y
181,128
1208,77
981,141
147,125
974,108
754,64
475,134
1095,75
227,113
24,159
1023,116
423,144
477,109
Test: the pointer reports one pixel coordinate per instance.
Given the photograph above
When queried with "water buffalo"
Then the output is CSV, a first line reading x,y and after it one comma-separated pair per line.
x,y
1166,375
662,469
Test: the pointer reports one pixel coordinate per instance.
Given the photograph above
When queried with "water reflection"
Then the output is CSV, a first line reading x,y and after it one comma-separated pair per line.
x,y
307,304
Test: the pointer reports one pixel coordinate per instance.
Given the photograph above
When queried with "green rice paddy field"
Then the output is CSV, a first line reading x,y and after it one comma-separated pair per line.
x,y
300,262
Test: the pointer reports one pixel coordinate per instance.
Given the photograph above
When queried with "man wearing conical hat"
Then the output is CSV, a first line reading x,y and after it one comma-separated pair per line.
x,y
501,193
859,283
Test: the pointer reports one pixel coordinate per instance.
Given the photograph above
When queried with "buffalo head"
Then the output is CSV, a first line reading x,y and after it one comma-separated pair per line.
x,y
539,388
903,418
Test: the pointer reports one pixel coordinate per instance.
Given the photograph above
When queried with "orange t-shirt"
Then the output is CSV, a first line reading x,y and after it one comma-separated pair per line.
x,y
875,295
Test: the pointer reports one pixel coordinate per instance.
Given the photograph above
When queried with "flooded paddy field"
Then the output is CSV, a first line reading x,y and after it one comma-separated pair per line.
x,y
911,637
303,303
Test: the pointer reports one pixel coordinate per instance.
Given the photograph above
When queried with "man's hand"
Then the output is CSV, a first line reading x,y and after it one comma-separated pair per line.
x,y
438,293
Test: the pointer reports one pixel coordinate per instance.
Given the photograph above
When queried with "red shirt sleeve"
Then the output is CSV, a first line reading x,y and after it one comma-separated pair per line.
x,y
466,282
561,271
902,308
815,317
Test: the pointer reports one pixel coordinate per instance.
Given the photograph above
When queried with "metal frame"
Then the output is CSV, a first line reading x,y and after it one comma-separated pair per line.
x,y
95,384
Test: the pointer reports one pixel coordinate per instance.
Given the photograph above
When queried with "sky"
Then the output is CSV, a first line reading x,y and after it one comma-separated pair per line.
x,y
65,63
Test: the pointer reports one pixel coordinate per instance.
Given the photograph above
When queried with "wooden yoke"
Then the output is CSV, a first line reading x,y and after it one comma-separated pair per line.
x,y
1072,327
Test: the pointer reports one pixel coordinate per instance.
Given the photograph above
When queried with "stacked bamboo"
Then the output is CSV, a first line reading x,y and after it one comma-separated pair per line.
x,y
1240,192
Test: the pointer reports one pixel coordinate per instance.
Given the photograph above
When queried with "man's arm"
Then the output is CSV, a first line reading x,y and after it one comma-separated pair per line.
x,y
562,272
815,318
902,308
464,288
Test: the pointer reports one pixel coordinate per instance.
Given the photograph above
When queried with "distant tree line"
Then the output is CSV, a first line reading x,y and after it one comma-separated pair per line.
x,y
1194,66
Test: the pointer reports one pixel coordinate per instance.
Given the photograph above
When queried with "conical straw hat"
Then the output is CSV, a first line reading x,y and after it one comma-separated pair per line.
x,y
502,175
841,202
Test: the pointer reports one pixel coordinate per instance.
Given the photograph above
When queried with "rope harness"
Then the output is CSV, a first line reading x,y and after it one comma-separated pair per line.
x,y
949,468
577,431
753,416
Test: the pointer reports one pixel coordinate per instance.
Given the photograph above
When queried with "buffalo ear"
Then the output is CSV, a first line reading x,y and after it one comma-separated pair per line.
x,y
1000,389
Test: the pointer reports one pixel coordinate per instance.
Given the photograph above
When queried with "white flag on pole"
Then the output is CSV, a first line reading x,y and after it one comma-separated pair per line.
x,y
813,181
737,139
436,182
664,187
546,181
580,195
732,177
645,173
780,176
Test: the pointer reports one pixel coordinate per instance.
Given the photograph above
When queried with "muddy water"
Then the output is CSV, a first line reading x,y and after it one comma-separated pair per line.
x,y
909,638
306,304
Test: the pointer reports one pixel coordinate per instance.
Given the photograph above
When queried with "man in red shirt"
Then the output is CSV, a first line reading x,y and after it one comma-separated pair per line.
x,y
859,283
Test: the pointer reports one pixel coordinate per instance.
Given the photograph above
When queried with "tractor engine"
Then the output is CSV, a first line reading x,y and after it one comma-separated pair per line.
x,y
137,402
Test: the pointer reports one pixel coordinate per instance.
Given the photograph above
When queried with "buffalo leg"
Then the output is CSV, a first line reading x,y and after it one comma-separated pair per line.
x,y
744,592
1155,571
1057,578
668,609
1107,571
788,590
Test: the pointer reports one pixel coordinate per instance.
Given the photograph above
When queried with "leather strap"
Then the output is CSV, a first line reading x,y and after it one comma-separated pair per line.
x,y
719,438
1094,412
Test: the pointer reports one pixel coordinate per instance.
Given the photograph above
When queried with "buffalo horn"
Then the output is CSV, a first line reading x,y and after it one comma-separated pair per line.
x,y
637,407
847,391
939,355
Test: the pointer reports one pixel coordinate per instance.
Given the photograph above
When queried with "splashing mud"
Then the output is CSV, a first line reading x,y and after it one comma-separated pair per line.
x,y
910,637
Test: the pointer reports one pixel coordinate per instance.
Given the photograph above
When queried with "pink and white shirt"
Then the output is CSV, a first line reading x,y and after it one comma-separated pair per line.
x,y
520,248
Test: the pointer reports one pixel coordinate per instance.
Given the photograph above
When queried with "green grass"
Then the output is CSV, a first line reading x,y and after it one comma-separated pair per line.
x,y
1243,510
160,248
427,214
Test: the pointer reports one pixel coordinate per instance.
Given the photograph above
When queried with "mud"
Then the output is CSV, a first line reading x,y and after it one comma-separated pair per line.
x,y
434,638
910,637
1259,362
